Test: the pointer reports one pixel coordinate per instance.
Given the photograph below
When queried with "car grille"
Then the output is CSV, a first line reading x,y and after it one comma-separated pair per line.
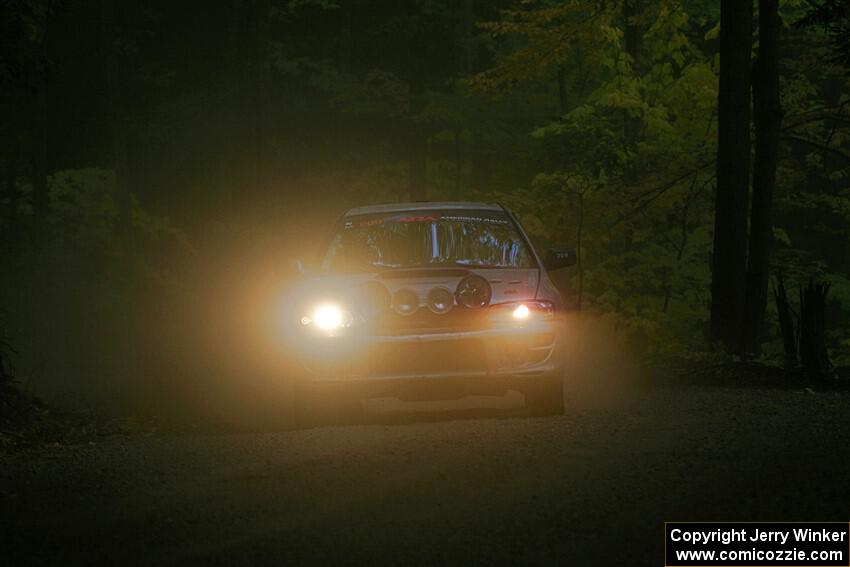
x,y
425,358
458,319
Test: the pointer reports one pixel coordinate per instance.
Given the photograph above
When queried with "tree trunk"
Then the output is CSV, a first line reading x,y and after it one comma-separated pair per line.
x,y
117,118
814,357
579,256
11,172
13,141
767,115
417,147
479,161
233,84
40,197
468,37
787,327
417,130
632,33
733,172
341,127
417,185
562,90
257,85
347,42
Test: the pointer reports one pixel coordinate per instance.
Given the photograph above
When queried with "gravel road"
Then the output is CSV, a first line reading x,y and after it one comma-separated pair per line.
x,y
592,487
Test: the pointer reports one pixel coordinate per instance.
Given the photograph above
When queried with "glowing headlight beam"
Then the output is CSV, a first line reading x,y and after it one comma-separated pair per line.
x,y
328,317
521,312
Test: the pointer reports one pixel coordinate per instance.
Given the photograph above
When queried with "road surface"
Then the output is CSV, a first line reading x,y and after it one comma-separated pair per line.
x,y
592,487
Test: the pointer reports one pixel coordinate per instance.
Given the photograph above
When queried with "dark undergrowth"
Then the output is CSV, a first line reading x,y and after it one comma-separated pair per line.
x,y
744,374
27,422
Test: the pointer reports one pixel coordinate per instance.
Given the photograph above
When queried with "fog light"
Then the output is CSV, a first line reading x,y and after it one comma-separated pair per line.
x,y
521,312
405,302
440,300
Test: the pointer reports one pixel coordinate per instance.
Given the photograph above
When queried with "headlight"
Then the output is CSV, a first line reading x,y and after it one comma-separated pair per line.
x,y
327,317
522,312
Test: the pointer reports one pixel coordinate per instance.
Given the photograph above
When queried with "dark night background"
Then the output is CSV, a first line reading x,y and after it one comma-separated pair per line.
x,y
164,163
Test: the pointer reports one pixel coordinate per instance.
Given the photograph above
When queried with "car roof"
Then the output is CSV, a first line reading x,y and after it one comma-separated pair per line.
x,y
423,206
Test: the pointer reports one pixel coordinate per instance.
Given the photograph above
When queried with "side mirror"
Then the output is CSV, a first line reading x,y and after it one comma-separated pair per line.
x,y
557,258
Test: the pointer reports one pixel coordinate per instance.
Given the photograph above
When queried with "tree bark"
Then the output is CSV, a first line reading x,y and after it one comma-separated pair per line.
x,y
234,84
40,197
733,172
767,115
11,172
468,41
814,357
257,85
479,160
14,89
417,131
117,118
347,42
787,327
562,90
417,147
579,257
632,33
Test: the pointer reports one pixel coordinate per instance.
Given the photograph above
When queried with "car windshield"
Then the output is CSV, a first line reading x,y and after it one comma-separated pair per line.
x,y
468,238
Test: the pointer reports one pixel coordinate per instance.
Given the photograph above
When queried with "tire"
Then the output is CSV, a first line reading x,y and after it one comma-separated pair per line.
x,y
544,396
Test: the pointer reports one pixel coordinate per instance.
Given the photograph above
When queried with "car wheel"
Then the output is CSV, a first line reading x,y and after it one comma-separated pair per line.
x,y
544,396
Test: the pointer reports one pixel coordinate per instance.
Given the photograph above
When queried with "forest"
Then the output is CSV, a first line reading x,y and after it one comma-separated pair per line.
x,y
164,163
176,378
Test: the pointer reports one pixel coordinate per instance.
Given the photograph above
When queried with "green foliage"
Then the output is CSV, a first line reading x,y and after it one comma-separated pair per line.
x,y
628,163
596,124
629,175
82,207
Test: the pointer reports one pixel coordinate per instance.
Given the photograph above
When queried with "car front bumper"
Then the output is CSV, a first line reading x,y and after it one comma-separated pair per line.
x,y
511,351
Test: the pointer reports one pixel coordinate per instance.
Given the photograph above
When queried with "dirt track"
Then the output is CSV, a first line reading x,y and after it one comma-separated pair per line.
x,y
593,486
